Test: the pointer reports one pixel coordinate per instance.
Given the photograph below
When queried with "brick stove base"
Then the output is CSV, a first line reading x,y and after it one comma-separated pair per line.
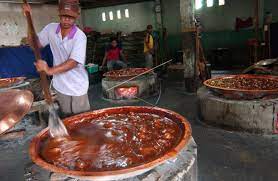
x,y
147,86
255,116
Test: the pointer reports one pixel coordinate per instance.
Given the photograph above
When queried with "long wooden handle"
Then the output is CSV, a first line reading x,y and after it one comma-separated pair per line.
x,y
43,77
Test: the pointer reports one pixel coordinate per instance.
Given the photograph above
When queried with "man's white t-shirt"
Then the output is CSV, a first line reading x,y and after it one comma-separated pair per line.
x,y
75,81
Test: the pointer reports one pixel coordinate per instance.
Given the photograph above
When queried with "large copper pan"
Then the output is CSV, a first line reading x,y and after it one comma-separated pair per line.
x,y
125,73
243,93
117,174
14,104
8,82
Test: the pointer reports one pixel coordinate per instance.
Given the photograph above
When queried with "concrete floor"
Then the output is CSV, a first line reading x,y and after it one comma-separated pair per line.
x,y
222,155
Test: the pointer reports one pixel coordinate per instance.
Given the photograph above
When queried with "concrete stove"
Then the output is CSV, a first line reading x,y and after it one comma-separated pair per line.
x,y
255,116
141,87
241,102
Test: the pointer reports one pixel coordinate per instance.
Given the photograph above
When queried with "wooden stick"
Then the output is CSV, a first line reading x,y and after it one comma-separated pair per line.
x,y
43,78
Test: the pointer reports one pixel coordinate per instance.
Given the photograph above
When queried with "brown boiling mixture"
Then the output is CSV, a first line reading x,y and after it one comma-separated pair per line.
x,y
127,72
113,142
245,83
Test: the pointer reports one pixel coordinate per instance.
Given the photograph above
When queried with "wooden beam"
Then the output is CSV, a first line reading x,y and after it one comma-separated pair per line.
x,y
89,4
256,29
188,28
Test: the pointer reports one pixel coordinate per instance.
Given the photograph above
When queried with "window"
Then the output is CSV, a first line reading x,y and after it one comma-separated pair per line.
x,y
103,17
118,13
111,15
198,4
221,2
119,16
209,3
126,13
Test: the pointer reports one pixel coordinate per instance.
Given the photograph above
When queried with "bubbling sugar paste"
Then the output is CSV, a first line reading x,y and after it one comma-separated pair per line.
x,y
113,142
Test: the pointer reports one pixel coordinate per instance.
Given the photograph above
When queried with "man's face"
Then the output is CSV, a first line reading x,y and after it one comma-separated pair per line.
x,y
114,43
67,21
150,30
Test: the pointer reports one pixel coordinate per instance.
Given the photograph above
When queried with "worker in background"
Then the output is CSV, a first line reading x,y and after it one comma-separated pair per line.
x,y
119,39
149,47
113,55
68,46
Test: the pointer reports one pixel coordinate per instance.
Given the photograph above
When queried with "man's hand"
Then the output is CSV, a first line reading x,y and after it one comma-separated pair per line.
x,y
26,8
151,51
42,66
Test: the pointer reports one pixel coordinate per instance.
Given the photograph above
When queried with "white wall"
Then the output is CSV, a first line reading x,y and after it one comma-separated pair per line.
x,y
271,6
218,18
13,24
141,14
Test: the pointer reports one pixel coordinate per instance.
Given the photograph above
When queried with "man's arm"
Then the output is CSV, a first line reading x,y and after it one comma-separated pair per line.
x,y
147,40
41,65
122,55
104,59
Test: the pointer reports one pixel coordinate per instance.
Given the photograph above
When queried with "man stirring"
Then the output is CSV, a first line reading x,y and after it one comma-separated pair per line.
x,y
68,46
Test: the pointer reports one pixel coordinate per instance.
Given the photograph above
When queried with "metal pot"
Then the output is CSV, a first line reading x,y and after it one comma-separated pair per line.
x,y
242,93
115,174
14,104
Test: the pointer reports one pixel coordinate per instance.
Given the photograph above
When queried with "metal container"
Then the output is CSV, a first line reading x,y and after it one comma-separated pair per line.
x,y
124,74
243,93
8,82
115,174
14,104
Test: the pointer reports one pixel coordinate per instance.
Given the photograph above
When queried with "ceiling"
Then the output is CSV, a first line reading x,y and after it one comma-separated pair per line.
x,y
84,3
99,3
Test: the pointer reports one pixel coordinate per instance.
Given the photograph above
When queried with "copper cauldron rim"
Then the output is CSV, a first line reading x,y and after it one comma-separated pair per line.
x,y
17,80
271,77
17,111
129,172
115,77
